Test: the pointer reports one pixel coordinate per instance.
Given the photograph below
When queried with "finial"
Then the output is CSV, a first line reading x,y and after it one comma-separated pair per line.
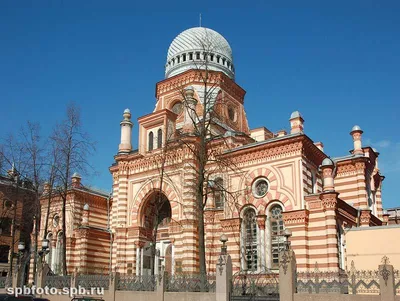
x,y
200,19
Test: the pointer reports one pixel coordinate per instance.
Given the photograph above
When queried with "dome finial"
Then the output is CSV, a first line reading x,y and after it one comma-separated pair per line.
x,y
200,20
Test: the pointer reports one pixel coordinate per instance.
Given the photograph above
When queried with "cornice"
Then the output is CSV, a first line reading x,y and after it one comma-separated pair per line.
x,y
194,77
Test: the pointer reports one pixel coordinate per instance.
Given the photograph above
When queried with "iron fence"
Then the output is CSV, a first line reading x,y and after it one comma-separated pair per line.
x,y
89,281
397,281
255,286
136,283
57,281
350,282
3,282
191,283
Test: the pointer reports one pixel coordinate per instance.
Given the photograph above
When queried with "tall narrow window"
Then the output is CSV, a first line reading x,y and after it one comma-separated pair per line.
x,y
250,239
277,238
313,183
150,142
159,138
218,191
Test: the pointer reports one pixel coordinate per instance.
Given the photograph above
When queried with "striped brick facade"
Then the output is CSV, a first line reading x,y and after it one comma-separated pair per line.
x,y
317,205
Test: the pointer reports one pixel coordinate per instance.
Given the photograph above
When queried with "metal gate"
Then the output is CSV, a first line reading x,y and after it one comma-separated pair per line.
x,y
255,286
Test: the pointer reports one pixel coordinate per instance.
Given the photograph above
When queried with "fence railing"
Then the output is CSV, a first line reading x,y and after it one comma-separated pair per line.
x,y
57,281
255,284
397,281
135,283
191,283
3,282
351,282
89,281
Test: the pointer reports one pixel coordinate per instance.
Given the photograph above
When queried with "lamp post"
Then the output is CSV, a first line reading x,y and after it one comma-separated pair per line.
x,y
44,251
21,248
287,233
223,239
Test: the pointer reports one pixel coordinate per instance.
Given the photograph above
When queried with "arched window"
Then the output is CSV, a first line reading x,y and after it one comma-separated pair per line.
x,y
159,138
49,255
277,238
150,142
313,182
250,240
218,191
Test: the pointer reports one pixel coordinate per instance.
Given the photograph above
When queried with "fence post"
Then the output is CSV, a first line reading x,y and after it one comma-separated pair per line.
x,y
112,287
74,281
386,280
223,278
161,283
287,275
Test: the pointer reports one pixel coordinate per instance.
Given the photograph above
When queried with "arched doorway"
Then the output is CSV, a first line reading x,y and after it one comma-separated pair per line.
x,y
156,215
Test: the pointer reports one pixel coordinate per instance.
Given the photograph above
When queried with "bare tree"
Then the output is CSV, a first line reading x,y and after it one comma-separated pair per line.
x,y
74,147
205,139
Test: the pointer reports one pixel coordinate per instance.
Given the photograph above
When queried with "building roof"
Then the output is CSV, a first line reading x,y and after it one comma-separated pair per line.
x,y
199,39
250,145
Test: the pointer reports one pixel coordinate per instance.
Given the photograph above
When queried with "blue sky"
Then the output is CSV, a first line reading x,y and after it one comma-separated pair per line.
x,y
336,62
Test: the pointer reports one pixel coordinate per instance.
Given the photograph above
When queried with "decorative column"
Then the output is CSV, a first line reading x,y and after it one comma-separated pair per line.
x,y
387,281
126,133
356,133
224,273
138,257
261,226
287,275
190,109
329,205
296,123
268,245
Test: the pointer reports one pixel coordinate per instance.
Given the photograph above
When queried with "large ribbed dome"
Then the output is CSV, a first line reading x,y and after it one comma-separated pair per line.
x,y
187,52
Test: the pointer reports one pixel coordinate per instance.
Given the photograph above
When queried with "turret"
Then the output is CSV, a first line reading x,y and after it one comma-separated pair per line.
x,y
327,168
356,133
126,133
296,123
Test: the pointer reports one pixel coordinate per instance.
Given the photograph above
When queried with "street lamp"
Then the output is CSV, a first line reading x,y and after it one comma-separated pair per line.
x,y
287,233
223,239
21,246
45,244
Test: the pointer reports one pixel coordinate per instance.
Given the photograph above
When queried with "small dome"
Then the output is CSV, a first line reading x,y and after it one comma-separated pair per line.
x,y
76,175
187,52
189,88
295,114
86,207
127,111
356,128
327,162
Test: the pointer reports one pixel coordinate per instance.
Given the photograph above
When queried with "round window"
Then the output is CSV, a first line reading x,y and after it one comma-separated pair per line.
x,y
177,108
260,187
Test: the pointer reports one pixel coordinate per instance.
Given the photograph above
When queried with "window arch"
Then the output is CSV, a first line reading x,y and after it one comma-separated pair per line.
x,y
49,255
249,233
150,142
276,234
218,191
159,138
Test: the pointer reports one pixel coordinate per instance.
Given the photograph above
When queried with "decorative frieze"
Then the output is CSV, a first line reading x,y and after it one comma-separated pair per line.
x,y
298,217
231,224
